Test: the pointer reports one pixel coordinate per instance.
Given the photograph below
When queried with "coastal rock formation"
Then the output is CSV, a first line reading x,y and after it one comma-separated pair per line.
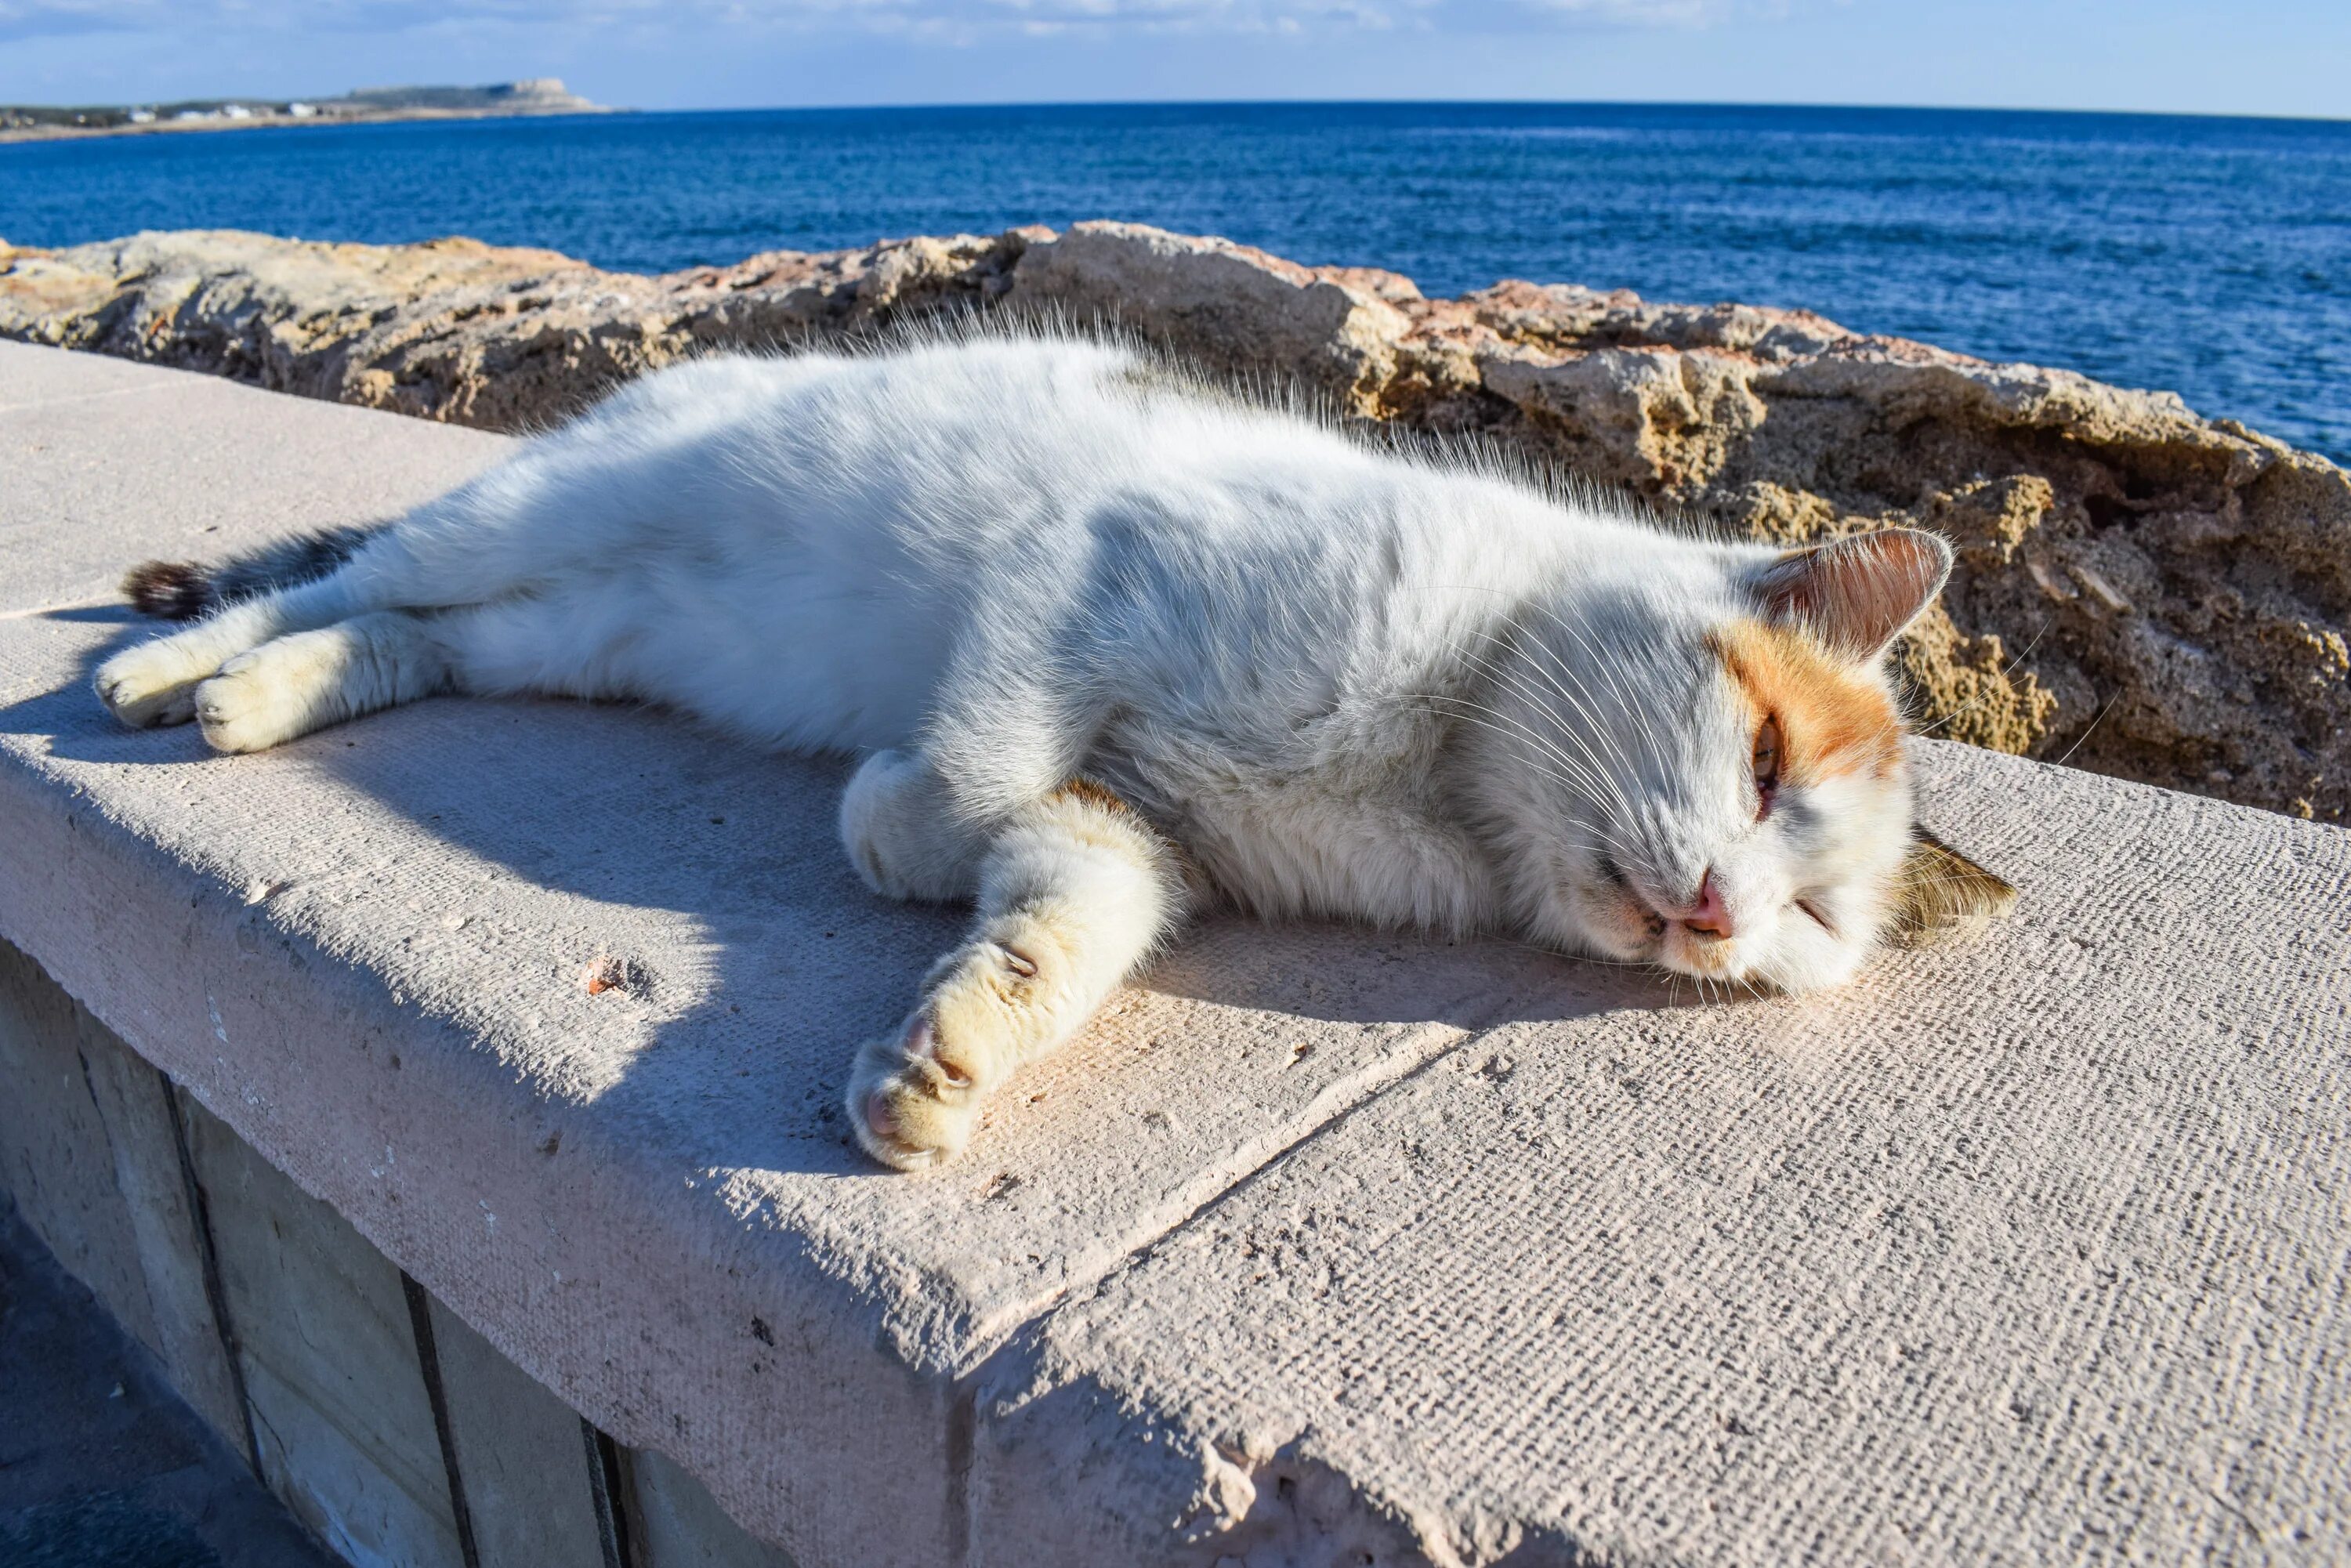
x,y
536,95
2140,590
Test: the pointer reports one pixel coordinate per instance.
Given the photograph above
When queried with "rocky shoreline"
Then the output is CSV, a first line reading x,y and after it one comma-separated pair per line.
x,y
2140,592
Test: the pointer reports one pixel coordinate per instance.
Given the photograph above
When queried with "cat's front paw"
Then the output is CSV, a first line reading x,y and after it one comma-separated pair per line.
x,y
900,830
914,1097
150,684
909,1109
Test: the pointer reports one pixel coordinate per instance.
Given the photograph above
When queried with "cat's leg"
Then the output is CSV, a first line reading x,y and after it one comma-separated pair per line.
x,y
495,538
1074,892
155,682
293,685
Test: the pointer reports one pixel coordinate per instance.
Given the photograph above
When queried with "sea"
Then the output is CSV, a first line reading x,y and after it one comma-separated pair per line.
x,y
2208,257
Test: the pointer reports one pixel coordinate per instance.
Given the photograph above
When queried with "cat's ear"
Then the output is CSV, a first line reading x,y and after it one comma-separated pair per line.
x,y
1940,893
1856,594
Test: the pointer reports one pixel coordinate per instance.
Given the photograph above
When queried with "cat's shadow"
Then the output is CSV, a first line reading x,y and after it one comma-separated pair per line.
x,y
713,870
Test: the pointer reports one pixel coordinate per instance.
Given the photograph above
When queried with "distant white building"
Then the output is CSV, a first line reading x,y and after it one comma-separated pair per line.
x,y
192,114
142,117
235,112
301,111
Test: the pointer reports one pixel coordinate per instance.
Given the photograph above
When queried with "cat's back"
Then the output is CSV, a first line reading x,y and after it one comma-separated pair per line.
x,y
854,522
969,427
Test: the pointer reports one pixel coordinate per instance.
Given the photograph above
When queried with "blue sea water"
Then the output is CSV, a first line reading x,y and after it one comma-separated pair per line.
x,y
2208,256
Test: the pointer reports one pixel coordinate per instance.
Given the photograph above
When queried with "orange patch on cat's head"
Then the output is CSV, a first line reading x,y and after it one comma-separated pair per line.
x,y
1835,718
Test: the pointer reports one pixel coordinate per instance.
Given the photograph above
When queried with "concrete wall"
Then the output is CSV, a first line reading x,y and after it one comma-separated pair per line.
x,y
394,1431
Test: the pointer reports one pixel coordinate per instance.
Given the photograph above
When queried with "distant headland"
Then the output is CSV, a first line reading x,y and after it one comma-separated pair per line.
x,y
537,95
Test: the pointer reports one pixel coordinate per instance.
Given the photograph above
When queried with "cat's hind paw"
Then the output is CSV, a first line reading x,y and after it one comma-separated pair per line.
x,y
151,684
255,702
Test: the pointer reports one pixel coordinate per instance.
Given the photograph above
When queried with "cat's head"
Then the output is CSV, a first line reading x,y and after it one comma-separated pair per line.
x,y
1705,766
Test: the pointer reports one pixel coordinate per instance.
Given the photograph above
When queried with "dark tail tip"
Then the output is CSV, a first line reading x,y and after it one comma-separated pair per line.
x,y
170,591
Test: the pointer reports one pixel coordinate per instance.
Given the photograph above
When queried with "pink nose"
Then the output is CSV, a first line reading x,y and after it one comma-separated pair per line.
x,y
1708,916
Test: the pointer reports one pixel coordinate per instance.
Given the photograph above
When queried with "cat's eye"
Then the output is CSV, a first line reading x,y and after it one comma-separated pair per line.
x,y
1767,766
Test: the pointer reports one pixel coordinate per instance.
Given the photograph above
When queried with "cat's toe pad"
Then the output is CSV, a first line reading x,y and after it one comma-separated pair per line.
x,y
990,1005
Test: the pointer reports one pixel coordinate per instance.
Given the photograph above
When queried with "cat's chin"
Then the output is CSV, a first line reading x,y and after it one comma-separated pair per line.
x,y
1795,971
1780,962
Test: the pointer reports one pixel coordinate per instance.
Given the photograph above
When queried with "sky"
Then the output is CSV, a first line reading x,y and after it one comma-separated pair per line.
x,y
2252,57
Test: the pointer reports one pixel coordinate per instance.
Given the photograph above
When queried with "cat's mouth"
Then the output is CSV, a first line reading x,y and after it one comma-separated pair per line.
x,y
1698,956
1641,933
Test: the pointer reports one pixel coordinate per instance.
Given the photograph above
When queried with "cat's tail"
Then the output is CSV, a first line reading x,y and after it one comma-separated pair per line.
x,y
183,591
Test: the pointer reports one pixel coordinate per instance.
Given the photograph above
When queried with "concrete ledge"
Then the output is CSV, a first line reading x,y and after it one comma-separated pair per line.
x,y
1317,1241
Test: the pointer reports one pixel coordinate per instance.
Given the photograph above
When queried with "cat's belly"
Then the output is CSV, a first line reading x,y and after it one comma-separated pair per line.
x,y
1316,847
786,660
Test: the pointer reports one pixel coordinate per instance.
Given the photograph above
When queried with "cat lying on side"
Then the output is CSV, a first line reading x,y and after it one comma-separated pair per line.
x,y
1111,644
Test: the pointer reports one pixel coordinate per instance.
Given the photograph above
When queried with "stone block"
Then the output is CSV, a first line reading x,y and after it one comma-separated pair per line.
x,y
93,1159
58,1160
341,1414
522,1455
674,1523
153,1174
1318,1240
1954,1265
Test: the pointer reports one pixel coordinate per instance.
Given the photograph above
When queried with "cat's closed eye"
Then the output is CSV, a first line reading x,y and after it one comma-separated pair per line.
x,y
1767,766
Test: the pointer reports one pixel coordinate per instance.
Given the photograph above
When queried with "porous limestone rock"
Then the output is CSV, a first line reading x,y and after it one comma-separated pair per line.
x,y
2140,590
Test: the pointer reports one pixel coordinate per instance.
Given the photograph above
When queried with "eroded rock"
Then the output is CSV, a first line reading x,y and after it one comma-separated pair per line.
x,y
2139,591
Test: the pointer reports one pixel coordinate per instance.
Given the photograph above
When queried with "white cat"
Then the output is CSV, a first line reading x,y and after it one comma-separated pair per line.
x,y
1112,643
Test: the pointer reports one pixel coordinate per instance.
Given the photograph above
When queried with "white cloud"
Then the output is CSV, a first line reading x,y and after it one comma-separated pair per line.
x,y
945,19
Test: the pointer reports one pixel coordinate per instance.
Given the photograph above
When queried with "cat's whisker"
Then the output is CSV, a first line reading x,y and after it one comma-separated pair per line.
x,y
1638,711
1518,728
1585,706
1581,783
2085,735
1585,760
1589,759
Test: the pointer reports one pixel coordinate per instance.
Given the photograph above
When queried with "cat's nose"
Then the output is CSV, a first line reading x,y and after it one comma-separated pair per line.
x,y
1710,917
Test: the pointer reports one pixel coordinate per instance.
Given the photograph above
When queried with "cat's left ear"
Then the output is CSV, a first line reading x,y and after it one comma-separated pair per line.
x,y
1940,893
1857,594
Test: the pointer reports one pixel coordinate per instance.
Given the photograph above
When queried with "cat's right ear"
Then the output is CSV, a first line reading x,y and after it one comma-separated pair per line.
x,y
1856,594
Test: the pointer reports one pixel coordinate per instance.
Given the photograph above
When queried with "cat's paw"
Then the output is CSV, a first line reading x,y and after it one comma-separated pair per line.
x,y
909,1109
152,683
258,700
915,1098
900,830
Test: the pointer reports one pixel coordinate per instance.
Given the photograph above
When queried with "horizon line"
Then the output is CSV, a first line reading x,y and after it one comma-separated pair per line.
x,y
1344,102
1300,103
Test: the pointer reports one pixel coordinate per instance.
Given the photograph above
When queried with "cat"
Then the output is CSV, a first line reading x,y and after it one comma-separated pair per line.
x,y
1112,644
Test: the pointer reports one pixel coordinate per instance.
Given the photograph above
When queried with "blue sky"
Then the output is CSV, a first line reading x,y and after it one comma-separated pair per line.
x,y
2292,58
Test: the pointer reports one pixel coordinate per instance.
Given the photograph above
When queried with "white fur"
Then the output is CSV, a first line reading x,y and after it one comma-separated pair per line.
x,y
1403,691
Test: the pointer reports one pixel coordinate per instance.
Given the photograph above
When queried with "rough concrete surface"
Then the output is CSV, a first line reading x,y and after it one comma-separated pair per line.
x,y
101,1465
2140,590
1318,1242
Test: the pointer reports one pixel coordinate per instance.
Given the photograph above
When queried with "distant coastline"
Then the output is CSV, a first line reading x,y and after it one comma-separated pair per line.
x,y
537,95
